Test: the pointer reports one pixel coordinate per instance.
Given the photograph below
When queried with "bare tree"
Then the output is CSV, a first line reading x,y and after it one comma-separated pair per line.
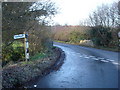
x,y
105,15
119,7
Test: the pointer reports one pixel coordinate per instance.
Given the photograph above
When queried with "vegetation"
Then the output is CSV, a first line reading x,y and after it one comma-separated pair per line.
x,y
71,33
101,36
31,17
16,75
20,17
105,26
101,28
12,53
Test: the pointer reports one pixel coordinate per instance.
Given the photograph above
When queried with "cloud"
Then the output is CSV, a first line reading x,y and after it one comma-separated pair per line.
x,y
73,11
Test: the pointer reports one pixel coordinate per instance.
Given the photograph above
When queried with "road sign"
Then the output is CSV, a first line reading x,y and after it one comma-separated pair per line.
x,y
118,34
19,36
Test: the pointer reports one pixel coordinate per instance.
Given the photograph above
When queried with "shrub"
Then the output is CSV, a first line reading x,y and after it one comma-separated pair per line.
x,y
101,36
13,52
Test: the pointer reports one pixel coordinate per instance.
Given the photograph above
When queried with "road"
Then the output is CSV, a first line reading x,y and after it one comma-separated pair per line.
x,y
83,68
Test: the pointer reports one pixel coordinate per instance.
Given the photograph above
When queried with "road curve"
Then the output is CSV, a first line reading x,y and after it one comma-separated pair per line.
x,y
83,68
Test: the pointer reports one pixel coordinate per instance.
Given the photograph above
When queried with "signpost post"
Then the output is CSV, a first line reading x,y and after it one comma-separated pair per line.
x,y
119,37
119,34
25,36
26,46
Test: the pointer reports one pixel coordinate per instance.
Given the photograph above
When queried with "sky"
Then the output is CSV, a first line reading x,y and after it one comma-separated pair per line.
x,y
72,12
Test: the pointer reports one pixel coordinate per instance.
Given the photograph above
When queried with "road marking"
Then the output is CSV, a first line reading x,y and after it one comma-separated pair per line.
x,y
100,58
91,56
86,57
115,63
111,60
96,59
104,61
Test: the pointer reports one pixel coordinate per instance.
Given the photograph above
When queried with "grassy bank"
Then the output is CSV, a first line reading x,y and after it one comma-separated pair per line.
x,y
115,49
17,74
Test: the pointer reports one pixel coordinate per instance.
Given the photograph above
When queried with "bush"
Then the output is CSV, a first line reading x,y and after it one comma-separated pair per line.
x,y
39,39
13,52
101,36
96,41
75,37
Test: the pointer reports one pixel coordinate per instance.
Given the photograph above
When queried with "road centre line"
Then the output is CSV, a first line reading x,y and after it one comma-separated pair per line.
x,y
86,57
115,63
104,61
111,60
92,57
95,59
100,58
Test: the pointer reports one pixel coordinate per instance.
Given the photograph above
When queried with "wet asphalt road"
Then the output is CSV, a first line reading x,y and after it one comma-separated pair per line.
x,y
83,68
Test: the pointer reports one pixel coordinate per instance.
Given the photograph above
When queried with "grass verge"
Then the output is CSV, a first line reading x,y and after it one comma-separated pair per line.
x,y
18,74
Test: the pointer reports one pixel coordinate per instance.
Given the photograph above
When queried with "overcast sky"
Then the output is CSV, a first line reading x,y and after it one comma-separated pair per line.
x,y
73,11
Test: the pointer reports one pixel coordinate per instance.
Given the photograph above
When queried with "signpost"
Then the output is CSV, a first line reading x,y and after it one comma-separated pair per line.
x,y
25,36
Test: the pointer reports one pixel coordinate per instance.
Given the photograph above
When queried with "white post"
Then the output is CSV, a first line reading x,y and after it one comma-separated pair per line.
x,y
119,34
119,37
26,46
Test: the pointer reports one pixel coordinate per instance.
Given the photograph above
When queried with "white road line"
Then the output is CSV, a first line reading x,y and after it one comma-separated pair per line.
x,y
96,59
104,61
86,57
100,58
115,63
91,56
111,60
107,59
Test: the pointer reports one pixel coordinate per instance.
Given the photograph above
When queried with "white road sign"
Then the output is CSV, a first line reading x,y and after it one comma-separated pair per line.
x,y
19,36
